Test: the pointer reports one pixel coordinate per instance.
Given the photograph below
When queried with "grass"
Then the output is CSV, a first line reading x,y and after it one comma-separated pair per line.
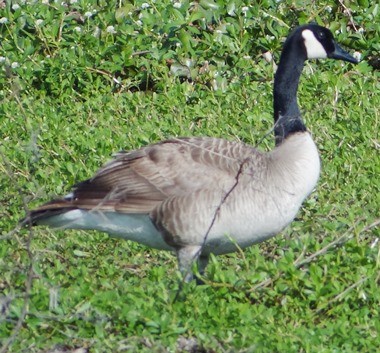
x,y
76,88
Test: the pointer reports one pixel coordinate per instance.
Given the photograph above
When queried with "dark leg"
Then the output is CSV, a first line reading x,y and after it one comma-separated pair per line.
x,y
186,257
202,263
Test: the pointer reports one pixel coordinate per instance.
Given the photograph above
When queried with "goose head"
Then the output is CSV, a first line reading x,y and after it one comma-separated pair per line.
x,y
319,43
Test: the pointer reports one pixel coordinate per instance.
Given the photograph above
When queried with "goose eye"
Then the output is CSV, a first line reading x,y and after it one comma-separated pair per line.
x,y
321,35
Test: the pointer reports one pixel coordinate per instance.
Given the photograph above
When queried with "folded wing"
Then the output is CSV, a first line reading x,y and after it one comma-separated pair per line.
x,y
138,181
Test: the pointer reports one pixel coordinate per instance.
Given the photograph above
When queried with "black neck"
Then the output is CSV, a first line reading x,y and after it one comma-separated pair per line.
x,y
287,116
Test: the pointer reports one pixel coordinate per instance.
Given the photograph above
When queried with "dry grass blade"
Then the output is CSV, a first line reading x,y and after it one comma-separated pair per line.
x,y
29,270
299,262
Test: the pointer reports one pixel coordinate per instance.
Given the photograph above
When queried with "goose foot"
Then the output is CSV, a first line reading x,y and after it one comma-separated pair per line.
x,y
186,257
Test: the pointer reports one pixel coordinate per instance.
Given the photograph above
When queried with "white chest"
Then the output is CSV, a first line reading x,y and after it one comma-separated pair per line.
x,y
266,206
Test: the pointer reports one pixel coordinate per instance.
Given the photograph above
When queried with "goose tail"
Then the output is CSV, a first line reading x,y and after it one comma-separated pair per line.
x,y
48,212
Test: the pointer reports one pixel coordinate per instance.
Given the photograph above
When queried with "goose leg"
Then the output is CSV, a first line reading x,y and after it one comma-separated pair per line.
x,y
186,257
202,264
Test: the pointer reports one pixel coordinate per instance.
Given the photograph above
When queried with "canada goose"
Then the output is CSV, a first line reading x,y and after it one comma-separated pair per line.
x,y
203,195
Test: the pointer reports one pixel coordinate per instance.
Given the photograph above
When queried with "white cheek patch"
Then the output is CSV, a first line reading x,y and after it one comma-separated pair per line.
x,y
314,48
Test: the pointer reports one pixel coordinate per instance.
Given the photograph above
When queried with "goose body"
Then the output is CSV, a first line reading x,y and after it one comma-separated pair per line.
x,y
205,195
252,212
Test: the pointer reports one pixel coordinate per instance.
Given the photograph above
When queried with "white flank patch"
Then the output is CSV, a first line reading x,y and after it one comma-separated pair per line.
x,y
135,227
69,196
314,48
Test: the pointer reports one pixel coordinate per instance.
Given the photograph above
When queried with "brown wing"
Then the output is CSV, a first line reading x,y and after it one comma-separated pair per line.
x,y
137,181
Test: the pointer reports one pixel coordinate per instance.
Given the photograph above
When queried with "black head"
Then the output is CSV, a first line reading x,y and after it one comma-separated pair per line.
x,y
319,43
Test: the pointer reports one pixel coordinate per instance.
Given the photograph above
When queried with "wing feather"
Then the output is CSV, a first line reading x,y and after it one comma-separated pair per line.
x,y
138,181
